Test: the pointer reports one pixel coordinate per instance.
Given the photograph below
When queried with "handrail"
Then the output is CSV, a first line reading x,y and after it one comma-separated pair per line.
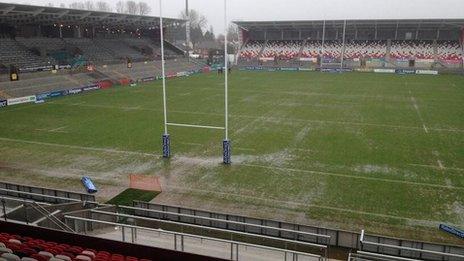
x,y
194,236
229,221
51,217
370,254
39,195
407,248
211,228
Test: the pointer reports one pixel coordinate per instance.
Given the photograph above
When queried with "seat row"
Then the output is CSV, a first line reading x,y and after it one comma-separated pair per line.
x,y
18,248
401,50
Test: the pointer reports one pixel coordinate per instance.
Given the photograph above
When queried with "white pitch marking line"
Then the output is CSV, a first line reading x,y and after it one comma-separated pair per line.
x,y
348,176
440,164
191,144
245,149
294,203
79,147
272,118
414,103
435,167
57,130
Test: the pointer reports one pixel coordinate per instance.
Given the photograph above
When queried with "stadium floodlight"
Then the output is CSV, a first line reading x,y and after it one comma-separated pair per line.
x,y
226,143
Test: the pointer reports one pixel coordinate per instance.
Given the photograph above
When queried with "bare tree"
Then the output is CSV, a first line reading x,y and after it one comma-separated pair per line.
x,y
77,5
89,5
232,33
144,8
62,5
196,20
51,4
103,6
132,7
121,7
197,23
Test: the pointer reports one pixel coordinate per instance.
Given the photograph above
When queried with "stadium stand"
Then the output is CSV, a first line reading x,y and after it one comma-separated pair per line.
x,y
404,50
119,48
30,243
332,50
90,50
251,50
13,53
40,82
449,51
365,49
283,50
312,49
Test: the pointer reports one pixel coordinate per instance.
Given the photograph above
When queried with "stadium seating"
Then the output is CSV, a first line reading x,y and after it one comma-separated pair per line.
x,y
251,50
12,52
333,49
365,49
19,248
90,50
404,50
42,43
312,49
283,50
449,51
119,48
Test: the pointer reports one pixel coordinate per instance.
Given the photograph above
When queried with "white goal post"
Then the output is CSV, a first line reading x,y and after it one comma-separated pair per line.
x,y
166,137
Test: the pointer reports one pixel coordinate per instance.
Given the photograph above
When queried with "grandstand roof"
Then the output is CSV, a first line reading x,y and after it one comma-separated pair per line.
x,y
17,14
362,24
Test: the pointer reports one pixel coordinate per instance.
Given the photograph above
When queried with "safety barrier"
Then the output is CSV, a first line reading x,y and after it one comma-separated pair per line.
x,y
42,194
338,238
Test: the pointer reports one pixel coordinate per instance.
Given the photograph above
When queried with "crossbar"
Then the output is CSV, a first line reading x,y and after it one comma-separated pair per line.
x,y
194,126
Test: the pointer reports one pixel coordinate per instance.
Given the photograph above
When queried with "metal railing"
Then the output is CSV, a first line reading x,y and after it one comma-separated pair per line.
x,y
179,242
9,192
51,217
408,249
368,256
230,232
232,222
22,202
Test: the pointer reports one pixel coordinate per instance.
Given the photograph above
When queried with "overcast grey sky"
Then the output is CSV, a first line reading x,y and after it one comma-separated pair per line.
x,y
301,9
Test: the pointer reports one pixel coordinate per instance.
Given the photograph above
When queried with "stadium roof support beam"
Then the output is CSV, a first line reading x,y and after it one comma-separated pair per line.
x,y
18,15
38,11
8,10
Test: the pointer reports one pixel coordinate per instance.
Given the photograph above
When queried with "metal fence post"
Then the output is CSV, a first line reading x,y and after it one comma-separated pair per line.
x,y
231,251
123,231
4,209
182,243
132,235
175,241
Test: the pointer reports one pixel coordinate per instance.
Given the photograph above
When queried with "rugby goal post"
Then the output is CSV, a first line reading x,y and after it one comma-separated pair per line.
x,y
226,143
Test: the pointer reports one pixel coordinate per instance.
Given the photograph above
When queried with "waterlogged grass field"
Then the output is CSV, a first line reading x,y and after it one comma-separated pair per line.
x,y
352,151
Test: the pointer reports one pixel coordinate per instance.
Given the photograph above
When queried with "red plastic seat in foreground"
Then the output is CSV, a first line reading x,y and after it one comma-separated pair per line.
x,y
41,250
